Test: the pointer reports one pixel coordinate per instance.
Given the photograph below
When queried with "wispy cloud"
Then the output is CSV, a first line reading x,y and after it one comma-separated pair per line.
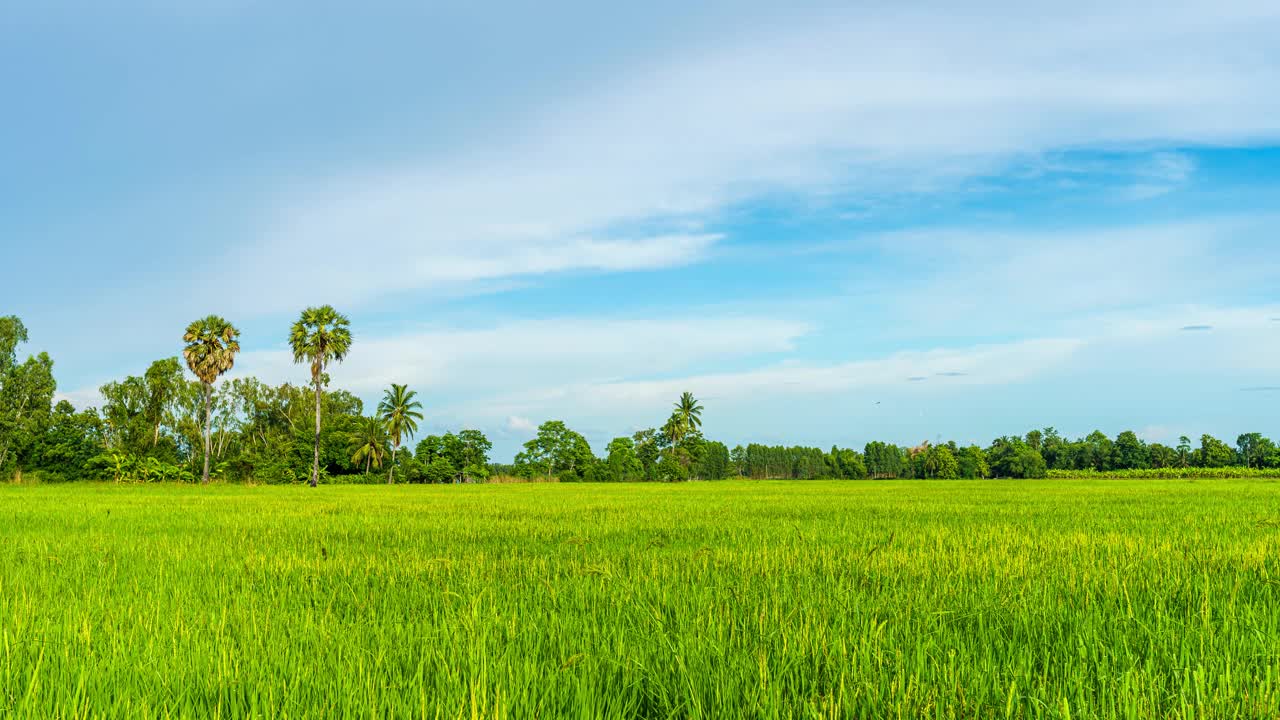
x,y
81,398
522,353
1160,174
1017,280
861,99
1000,364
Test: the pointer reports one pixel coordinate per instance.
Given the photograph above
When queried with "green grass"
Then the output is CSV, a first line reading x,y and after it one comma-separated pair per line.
x,y
990,599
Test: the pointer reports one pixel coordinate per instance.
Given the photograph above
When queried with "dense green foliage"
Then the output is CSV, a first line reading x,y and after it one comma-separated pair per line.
x,y
162,426
1172,473
1050,599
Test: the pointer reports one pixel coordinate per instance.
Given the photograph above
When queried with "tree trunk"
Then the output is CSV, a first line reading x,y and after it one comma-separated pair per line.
x,y
16,418
391,476
208,413
315,458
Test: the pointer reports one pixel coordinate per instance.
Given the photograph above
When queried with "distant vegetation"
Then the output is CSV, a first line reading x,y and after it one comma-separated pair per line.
x,y
163,426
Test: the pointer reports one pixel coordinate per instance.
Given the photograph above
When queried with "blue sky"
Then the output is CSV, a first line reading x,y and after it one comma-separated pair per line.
x,y
832,222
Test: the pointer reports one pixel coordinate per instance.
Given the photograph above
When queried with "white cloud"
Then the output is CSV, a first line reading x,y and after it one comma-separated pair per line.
x,y
520,354
81,398
631,170
871,98
1130,366
517,424
999,281
970,366
1133,368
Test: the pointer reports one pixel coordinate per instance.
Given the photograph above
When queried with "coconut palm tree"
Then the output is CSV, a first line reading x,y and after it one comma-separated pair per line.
x,y
369,443
673,429
399,411
320,336
688,415
212,344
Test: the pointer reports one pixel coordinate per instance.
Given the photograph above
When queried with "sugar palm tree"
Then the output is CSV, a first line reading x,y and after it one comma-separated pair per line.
x,y
320,336
369,443
688,415
399,411
212,344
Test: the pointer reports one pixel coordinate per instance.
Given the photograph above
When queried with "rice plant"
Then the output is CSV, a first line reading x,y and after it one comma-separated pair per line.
x,y
984,599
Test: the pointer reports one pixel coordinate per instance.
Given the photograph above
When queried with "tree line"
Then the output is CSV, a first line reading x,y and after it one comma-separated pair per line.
x,y
163,426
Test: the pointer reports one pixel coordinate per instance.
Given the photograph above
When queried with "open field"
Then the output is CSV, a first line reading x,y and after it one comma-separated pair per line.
x,y
781,599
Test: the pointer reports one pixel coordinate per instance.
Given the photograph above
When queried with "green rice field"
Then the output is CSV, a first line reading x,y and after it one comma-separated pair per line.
x,y
886,599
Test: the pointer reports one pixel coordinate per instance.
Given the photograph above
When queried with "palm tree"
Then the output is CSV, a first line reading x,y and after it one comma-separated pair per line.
x,y
212,344
399,411
673,429
369,443
688,416
320,336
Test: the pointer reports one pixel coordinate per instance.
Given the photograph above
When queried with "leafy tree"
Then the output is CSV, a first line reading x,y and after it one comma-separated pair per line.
x,y
321,336
738,460
440,471
12,334
555,449
1214,453
673,464
1028,464
883,460
1013,458
1272,458
1035,440
1098,451
429,448
1129,453
123,410
1162,456
399,411
648,450
621,462
466,454
26,401
846,464
471,455
972,462
1054,449
163,382
941,463
1253,449
713,461
211,347
72,441
22,390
